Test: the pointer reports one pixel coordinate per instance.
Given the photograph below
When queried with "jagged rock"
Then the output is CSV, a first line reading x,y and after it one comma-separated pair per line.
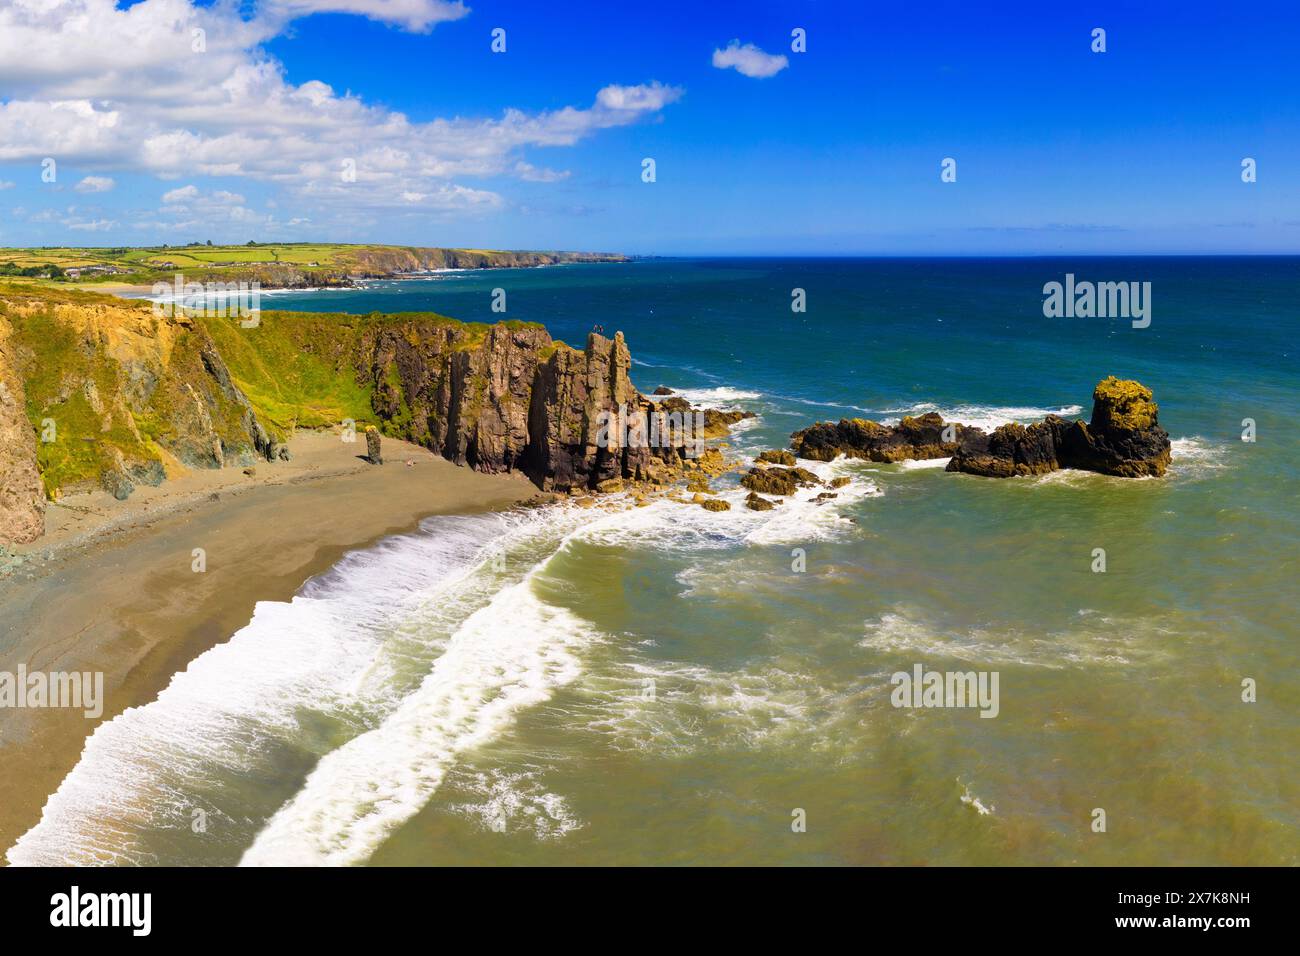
x,y
1012,450
284,454
717,423
374,453
778,456
755,502
663,390
778,481
715,504
916,438
610,486
1123,438
839,482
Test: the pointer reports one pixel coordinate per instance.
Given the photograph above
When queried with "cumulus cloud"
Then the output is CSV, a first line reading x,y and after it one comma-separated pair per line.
x,y
749,60
89,83
95,184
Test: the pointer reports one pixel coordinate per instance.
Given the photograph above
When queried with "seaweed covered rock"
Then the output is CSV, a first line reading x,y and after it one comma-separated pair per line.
x,y
778,481
920,437
1123,438
778,456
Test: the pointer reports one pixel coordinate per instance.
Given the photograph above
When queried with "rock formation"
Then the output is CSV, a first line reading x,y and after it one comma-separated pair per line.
x,y
926,436
1123,439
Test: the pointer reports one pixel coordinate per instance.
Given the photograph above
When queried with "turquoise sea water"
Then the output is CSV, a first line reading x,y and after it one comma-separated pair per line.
x,y
667,685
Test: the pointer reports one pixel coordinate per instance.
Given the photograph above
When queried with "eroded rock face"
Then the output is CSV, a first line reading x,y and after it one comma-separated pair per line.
x,y
916,438
22,501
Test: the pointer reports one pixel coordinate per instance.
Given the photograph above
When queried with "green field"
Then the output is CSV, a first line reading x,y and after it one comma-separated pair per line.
x,y
140,264
276,263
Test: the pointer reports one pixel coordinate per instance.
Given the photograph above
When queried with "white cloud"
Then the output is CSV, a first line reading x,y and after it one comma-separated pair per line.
x,y
6,184
87,82
647,97
95,184
180,195
91,225
418,16
536,174
749,60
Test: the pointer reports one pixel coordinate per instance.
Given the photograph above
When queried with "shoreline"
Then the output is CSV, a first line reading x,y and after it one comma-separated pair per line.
x,y
111,588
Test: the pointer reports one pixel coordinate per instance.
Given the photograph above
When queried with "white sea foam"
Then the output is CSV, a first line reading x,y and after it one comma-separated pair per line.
x,y
1197,457
696,708
719,397
974,802
1095,641
912,464
512,800
507,656
987,417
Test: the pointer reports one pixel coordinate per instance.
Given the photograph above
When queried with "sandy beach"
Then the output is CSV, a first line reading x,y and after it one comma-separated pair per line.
x,y
111,585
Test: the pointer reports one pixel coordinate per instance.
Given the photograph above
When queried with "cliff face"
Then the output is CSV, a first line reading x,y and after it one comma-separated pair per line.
x,y
22,505
129,397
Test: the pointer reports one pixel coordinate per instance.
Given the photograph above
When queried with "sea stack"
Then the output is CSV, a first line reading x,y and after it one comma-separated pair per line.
x,y
373,452
1123,438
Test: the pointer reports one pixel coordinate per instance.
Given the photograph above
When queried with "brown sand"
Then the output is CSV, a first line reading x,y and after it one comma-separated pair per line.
x,y
119,594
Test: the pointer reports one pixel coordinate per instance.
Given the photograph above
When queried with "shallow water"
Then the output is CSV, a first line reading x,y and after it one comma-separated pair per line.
x,y
667,685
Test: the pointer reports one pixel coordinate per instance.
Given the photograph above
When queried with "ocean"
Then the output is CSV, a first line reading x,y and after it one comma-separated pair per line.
x,y
666,685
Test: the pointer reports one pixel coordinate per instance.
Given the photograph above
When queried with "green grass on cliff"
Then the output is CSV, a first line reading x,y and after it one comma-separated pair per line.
x,y
295,368
60,382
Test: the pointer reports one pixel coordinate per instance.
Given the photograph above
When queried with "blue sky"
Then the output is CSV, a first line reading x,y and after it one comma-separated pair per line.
x,y
1058,149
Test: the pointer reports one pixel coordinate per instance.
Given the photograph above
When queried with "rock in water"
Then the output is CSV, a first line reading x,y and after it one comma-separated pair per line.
x,y
778,456
373,453
925,436
1123,439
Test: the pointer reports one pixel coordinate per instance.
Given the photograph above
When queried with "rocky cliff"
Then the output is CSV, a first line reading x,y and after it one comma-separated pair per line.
x,y
105,393
1123,438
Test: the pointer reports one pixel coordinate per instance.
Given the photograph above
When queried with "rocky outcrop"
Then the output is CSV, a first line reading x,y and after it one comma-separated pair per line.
x,y
1123,438
925,436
